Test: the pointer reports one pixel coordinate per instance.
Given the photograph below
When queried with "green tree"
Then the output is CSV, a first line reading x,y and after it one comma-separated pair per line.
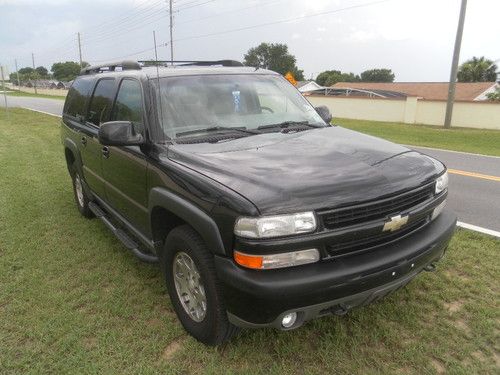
x,y
273,56
66,71
13,78
377,75
331,77
477,69
494,96
26,70
42,72
323,76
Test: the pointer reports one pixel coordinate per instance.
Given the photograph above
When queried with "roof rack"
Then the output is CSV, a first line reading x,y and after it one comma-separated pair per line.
x,y
111,67
226,63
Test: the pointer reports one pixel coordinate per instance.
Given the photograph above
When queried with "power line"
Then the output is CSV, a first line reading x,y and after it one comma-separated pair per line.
x,y
283,21
262,25
255,5
195,5
129,13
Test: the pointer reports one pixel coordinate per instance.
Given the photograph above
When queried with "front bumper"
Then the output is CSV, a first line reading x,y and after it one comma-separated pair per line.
x,y
261,298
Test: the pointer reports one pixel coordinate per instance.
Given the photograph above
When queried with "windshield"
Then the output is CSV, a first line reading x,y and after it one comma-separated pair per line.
x,y
250,101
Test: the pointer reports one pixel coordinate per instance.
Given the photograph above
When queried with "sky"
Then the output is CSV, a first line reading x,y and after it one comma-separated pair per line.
x,y
414,38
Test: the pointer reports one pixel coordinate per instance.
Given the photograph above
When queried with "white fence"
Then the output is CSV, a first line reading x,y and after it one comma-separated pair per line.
x,y
484,115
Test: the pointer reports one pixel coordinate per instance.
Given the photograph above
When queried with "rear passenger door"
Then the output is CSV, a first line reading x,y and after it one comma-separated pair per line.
x,y
92,151
125,168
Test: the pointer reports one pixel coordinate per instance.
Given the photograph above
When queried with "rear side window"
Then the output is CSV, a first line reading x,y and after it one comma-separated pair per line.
x,y
77,96
101,101
128,104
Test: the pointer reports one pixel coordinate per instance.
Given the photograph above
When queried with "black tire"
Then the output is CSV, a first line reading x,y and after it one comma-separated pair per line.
x,y
214,328
83,202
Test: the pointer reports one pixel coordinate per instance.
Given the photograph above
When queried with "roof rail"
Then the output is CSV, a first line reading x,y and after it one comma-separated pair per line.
x,y
226,63
110,67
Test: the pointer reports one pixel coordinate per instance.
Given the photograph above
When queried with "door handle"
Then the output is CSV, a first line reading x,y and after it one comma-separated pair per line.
x,y
84,141
105,152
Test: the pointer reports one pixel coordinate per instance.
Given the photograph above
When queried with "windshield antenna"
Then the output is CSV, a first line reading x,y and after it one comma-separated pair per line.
x,y
158,82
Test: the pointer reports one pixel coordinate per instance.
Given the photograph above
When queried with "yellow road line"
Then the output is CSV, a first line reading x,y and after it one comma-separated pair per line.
x,y
474,174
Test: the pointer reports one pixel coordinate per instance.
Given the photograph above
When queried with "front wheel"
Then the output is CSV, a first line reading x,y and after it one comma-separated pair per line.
x,y
193,287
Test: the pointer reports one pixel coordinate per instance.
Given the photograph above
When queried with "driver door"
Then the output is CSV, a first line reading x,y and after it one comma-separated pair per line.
x,y
125,167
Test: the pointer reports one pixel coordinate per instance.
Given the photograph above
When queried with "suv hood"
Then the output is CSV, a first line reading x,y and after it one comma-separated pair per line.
x,y
309,170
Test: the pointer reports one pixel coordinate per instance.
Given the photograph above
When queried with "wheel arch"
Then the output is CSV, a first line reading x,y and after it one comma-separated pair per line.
x,y
168,210
71,154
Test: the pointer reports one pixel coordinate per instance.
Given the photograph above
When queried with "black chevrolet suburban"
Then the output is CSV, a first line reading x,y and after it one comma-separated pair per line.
x,y
259,212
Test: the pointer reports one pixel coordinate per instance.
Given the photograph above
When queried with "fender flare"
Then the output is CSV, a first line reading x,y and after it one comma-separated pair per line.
x,y
191,214
71,145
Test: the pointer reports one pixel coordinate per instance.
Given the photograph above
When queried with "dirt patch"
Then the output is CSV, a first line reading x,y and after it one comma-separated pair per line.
x,y
496,358
453,307
460,323
479,356
90,343
438,366
172,349
155,322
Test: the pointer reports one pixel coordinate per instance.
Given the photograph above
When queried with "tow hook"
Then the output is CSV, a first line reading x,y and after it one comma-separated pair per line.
x,y
430,267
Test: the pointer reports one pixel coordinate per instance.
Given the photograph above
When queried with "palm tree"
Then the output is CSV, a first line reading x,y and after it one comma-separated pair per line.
x,y
477,70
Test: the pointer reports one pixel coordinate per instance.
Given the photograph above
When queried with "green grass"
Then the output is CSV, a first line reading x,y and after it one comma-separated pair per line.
x,y
458,139
73,300
23,93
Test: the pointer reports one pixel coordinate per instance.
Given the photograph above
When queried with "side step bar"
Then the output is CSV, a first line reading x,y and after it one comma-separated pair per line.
x,y
128,242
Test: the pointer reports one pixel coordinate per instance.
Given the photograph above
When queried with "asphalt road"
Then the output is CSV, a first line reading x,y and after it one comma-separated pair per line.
x,y
52,106
474,192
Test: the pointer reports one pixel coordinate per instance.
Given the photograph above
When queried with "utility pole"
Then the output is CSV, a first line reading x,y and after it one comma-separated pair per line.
x,y
80,49
34,74
171,34
454,66
4,92
156,51
17,73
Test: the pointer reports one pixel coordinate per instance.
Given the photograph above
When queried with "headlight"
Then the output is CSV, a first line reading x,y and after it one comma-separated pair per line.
x,y
264,262
275,226
442,182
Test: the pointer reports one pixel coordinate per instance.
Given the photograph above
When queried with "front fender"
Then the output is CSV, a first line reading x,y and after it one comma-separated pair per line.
x,y
71,145
191,214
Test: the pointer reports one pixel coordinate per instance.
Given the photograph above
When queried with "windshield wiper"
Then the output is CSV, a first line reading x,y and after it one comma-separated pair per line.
x,y
287,124
241,129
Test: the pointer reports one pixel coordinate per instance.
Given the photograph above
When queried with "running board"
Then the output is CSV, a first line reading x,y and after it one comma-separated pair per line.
x,y
124,238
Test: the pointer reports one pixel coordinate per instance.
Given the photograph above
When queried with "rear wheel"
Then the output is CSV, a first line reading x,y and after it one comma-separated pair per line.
x,y
81,199
193,287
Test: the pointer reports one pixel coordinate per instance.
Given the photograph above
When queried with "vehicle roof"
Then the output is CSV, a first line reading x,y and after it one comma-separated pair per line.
x,y
177,70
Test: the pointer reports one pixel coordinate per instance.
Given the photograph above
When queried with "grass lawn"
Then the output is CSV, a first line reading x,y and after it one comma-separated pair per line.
x,y
23,93
458,139
73,300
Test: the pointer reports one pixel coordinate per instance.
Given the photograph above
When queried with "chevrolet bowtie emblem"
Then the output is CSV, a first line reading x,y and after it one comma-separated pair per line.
x,y
395,223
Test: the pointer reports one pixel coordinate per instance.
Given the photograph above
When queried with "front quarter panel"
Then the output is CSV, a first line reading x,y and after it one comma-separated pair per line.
x,y
210,207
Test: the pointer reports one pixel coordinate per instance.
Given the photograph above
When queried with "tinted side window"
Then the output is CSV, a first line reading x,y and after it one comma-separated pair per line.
x,y
128,104
101,101
77,96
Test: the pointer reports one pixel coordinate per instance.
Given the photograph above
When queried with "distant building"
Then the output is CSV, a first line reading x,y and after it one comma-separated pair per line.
x,y
308,86
467,91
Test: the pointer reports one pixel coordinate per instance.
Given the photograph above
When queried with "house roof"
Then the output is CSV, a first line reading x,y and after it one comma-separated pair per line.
x,y
426,90
301,83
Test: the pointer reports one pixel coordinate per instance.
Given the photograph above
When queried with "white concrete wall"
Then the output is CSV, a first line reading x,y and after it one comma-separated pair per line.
x,y
484,115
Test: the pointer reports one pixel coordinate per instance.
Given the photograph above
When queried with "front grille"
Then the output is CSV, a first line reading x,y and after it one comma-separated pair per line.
x,y
368,242
381,209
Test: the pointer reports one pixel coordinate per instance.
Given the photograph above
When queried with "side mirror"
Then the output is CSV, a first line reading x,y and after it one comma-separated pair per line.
x,y
325,113
119,133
